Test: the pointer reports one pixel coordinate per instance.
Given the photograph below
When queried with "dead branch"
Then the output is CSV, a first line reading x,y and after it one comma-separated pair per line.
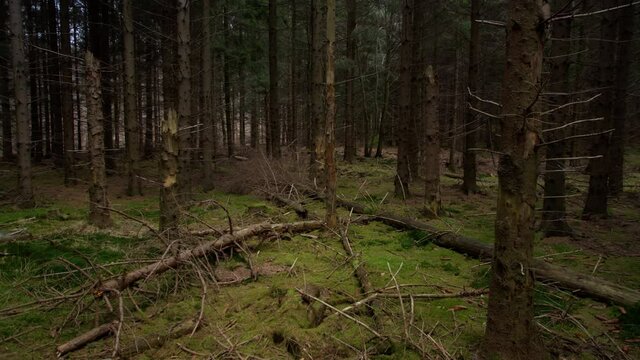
x,y
86,338
141,344
128,279
293,205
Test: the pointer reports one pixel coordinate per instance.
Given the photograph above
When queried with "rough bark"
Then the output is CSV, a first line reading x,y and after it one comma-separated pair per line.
x,y
554,206
86,338
416,136
510,330
254,123
227,89
274,103
169,206
349,120
149,91
619,112
132,139
5,110
57,144
37,92
431,147
292,128
169,49
469,184
318,92
207,97
403,174
98,201
19,63
67,93
184,96
598,169
330,123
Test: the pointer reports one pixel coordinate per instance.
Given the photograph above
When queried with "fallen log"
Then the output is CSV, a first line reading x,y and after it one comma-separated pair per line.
x,y
126,280
293,205
142,344
86,338
580,284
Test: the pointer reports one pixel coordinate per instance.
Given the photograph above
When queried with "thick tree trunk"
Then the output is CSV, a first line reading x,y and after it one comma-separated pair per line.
x,y
431,147
598,169
169,49
184,96
403,172
292,128
453,123
149,90
510,331
35,90
207,97
469,184
5,110
98,201
330,123
619,112
274,103
317,166
57,144
132,139
227,89
349,120
19,63
169,162
241,105
67,93
554,207
254,123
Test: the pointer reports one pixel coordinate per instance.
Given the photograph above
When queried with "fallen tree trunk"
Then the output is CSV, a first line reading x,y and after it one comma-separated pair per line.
x,y
580,284
128,279
293,205
142,344
86,338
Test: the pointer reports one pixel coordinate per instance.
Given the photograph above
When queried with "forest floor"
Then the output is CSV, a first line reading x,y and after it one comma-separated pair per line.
x,y
264,316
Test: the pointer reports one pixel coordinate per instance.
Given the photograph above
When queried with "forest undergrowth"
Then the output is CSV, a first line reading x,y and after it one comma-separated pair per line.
x,y
288,295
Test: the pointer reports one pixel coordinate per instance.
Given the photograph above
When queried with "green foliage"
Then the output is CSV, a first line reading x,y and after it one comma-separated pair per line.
x,y
630,322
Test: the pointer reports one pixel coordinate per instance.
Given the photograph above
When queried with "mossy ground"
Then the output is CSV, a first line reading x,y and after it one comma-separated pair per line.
x,y
266,317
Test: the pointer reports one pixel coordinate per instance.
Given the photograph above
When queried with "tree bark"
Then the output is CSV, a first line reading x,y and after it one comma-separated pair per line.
x,y
431,147
227,88
67,93
5,109
19,63
207,97
317,166
349,120
169,168
274,102
98,201
619,112
510,331
292,128
596,204
469,184
149,90
57,144
554,206
184,96
330,123
254,123
134,187
403,172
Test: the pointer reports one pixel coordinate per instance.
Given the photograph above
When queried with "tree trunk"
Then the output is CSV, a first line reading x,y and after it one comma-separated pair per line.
x,y
292,128
130,103
19,62
35,90
453,122
184,95
619,112
207,98
254,123
317,166
57,145
274,103
98,201
67,93
241,105
169,207
598,169
403,172
469,184
227,88
510,331
349,120
554,206
169,49
5,109
330,124
149,90
431,147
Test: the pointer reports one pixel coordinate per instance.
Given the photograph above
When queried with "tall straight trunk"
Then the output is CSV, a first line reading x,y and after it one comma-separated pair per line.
x,y
431,148
76,84
208,139
19,63
57,145
554,206
227,88
67,93
469,183
35,82
292,128
184,94
169,50
598,169
169,171
318,91
274,102
453,122
241,104
149,123
5,110
254,122
349,133
98,201
403,175
117,92
417,65
330,122
132,138
619,111
511,328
